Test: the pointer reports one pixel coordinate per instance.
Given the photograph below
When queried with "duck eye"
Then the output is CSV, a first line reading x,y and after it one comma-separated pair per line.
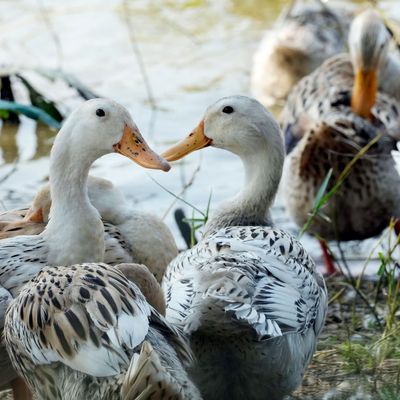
x,y
100,112
228,110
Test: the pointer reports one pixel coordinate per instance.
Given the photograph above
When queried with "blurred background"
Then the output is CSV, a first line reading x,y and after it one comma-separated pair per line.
x,y
166,61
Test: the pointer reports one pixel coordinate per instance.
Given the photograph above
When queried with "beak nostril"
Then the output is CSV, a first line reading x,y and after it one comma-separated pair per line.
x,y
134,147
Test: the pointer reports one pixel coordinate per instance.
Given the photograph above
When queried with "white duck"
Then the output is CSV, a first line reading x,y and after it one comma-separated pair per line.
x,y
85,331
75,232
247,295
149,240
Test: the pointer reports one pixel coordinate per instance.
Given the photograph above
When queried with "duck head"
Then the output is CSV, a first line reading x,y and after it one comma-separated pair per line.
x,y
98,127
102,126
238,124
369,41
244,127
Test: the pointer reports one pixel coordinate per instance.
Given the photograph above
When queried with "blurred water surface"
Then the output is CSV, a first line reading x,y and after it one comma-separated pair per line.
x,y
193,52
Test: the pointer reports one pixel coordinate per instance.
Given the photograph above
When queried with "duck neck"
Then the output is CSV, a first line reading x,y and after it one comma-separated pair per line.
x,y
75,232
251,206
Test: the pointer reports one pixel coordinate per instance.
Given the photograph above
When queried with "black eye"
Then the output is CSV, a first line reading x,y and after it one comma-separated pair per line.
x,y
228,110
100,112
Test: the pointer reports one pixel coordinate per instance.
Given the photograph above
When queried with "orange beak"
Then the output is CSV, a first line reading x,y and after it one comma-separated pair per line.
x,y
195,141
133,146
34,215
364,92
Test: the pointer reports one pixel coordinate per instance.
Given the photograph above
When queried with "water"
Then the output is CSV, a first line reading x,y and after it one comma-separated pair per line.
x,y
194,52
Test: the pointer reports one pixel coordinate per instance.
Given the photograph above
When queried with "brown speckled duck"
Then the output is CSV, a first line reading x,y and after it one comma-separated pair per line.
x,y
329,116
304,36
86,331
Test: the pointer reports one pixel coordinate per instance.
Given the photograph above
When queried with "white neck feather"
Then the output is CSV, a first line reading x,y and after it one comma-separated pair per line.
x,y
75,232
263,170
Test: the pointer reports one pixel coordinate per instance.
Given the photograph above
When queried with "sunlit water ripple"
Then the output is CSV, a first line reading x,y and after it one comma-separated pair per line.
x,y
194,52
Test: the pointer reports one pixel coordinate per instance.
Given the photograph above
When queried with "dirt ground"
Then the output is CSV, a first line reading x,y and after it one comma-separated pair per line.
x,y
352,361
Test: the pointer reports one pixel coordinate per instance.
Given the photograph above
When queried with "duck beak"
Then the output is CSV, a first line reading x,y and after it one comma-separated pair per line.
x,y
34,215
195,141
133,146
364,92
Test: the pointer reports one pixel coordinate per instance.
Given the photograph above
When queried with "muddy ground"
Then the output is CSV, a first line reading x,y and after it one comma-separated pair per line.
x,y
353,361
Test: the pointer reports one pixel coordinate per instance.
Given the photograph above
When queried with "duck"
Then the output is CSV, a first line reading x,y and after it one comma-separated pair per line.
x,y
15,224
304,36
75,232
149,240
86,331
248,296
329,116
12,215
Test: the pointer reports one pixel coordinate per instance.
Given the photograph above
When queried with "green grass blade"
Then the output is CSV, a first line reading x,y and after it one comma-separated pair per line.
x,y
176,196
322,190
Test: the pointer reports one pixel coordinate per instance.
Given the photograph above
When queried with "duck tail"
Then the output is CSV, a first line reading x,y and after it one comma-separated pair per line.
x,y
146,378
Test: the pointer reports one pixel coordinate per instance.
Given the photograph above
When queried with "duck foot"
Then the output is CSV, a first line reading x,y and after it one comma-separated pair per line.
x,y
20,390
328,262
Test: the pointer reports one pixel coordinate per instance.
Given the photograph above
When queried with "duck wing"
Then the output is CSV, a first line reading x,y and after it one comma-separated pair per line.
x,y
84,316
256,277
21,258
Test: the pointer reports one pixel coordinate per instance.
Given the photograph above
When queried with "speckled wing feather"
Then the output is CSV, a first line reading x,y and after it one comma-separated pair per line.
x,y
5,300
117,249
20,259
84,316
259,277
174,336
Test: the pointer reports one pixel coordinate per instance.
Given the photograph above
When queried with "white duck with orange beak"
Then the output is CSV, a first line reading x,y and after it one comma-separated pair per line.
x,y
75,232
248,295
141,237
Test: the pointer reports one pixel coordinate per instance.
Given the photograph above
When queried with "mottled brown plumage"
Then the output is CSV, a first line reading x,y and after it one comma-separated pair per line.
x,y
20,227
322,132
85,331
303,37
